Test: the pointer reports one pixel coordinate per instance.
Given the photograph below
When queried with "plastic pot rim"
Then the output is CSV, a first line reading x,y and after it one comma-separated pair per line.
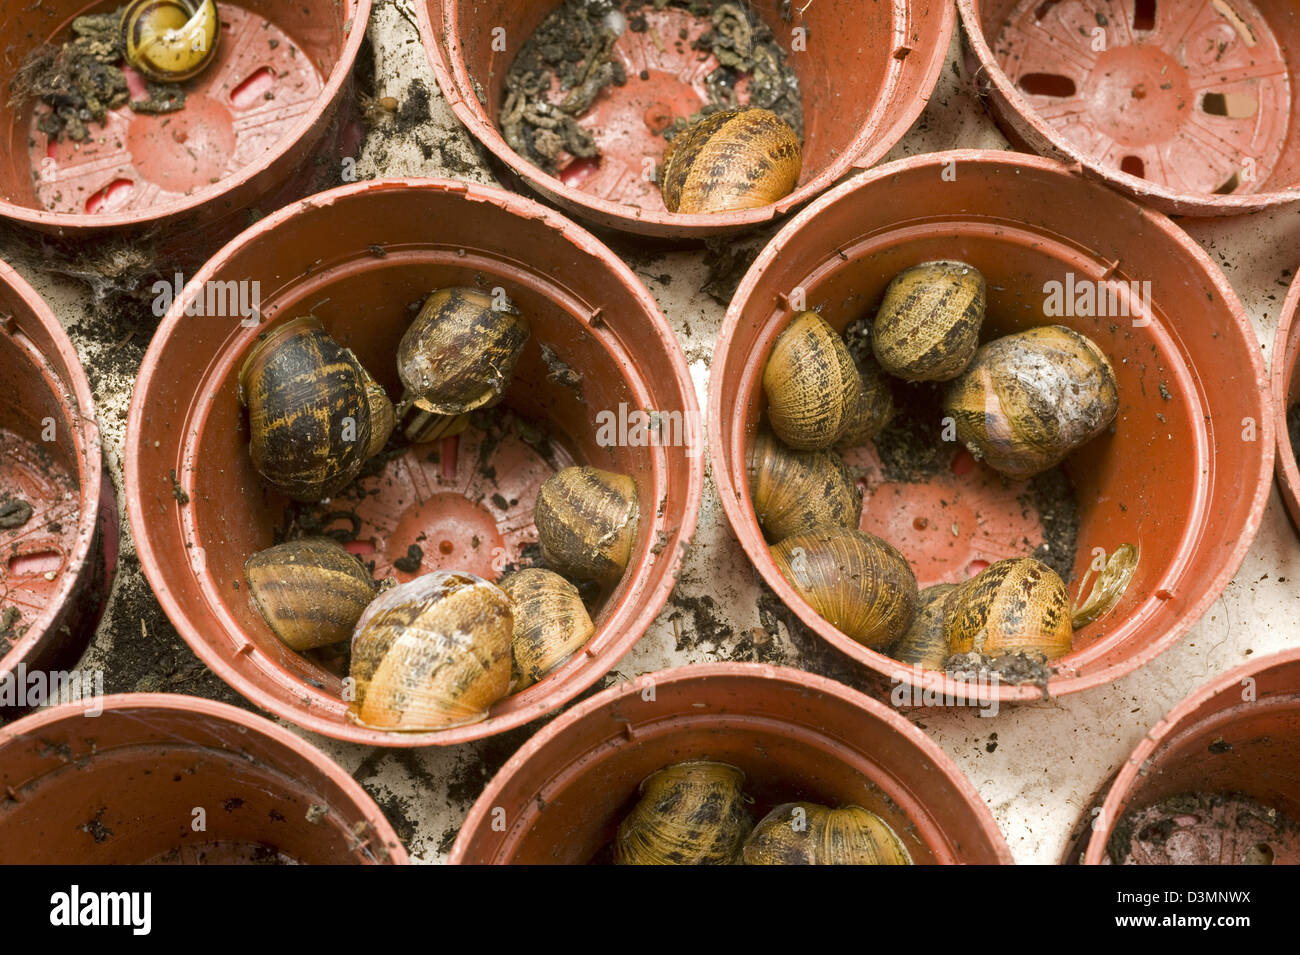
x,y
751,540
483,806
68,222
616,645
41,634
1126,778
1159,196
867,148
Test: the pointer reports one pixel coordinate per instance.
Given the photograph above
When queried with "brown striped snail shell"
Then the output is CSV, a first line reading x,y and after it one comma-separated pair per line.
x,y
795,491
926,642
586,523
311,592
875,405
170,40
461,350
431,653
806,833
812,385
551,622
731,160
315,415
857,582
928,325
1019,605
1029,399
691,813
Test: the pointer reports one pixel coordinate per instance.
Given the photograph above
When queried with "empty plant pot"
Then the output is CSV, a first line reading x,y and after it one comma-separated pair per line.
x,y
559,800
1183,473
155,778
250,120
1214,781
865,72
54,572
1286,394
1186,106
361,258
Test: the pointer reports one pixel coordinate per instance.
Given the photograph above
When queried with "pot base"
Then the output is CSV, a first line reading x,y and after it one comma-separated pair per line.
x,y
1209,830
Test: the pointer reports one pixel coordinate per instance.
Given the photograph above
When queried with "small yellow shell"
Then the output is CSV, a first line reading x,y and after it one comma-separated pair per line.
x,y
1016,605
311,592
926,643
857,582
586,523
731,160
928,326
1029,399
551,622
432,653
689,814
794,491
806,833
170,40
812,385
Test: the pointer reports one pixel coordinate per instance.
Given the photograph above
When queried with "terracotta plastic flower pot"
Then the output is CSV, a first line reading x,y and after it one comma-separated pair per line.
x,y
164,779
1183,474
1233,744
1286,392
58,515
865,76
795,736
1186,106
250,121
358,257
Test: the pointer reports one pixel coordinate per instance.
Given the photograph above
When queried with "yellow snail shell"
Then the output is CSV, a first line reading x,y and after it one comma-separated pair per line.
x,y
1015,605
551,622
735,159
586,523
857,582
812,385
311,592
928,326
806,833
794,491
690,813
170,40
432,653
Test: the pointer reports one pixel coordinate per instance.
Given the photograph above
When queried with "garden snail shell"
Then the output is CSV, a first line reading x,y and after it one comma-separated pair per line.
x,y
690,813
857,582
461,350
432,653
315,415
1019,605
794,491
170,40
812,385
311,592
875,405
586,523
1029,399
926,643
734,159
928,325
806,833
551,623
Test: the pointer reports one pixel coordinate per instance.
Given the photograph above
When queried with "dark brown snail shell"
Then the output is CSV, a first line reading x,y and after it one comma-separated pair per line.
x,y
795,491
926,642
311,592
735,159
586,523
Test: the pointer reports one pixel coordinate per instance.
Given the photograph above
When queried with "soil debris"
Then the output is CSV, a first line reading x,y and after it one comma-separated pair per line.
x,y
1017,668
14,511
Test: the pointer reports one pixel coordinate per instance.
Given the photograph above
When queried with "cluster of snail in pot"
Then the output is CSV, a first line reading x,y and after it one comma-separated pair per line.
x,y
1021,403
696,813
439,650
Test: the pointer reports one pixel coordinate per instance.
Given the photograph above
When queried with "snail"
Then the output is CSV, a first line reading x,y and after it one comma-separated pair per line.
x,y
315,415
812,385
730,160
1108,588
857,582
170,40
807,833
1018,605
311,591
928,325
586,523
794,491
551,623
1029,399
926,644
875,405
431,653
690,813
